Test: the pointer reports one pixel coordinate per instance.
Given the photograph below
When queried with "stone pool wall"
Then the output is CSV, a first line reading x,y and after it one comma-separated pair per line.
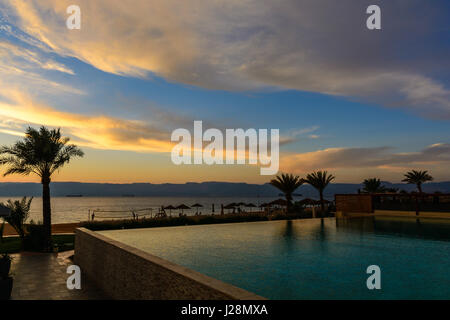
x,y
353,203
124,272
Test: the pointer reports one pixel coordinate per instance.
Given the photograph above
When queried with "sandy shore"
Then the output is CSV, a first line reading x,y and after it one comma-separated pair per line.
x,y
56,228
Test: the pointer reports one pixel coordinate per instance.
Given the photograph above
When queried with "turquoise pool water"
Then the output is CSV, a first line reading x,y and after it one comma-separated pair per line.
x,y
305,259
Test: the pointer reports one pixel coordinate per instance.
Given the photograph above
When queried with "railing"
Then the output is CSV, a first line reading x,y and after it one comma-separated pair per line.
x,y
134,214
412,202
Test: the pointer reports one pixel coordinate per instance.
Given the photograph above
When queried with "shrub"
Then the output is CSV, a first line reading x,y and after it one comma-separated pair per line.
x,y
35,239
19,214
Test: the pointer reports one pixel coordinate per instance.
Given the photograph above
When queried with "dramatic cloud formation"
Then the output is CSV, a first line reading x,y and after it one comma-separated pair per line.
x,y
435,157
309,45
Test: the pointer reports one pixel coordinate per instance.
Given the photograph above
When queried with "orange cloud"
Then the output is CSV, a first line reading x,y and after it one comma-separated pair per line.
x,y
360,162
99,132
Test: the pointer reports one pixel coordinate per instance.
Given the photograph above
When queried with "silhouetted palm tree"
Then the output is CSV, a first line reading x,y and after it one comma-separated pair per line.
x,y
41,152
287,183
320,180
373,185
417,178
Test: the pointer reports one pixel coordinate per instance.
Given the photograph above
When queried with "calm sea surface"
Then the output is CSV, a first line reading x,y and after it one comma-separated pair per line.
x,y
66,209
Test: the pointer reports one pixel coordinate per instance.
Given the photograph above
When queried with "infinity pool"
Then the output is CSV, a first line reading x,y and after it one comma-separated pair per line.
x,y
307,259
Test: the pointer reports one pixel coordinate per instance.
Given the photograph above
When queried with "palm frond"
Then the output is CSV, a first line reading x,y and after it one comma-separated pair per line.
x,y
414,177
41,152
65,155
319,179
373,185
287,183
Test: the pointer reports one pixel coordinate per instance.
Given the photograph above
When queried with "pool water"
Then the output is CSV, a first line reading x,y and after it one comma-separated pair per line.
x,y
310,259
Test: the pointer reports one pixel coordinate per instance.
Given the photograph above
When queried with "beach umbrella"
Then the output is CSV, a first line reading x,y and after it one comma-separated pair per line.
x,y
250,205
233,204
4,211
182,207
170,208
239,205
230,206
197,205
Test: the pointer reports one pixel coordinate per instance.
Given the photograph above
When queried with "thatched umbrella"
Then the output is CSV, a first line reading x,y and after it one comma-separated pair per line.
x,y
230,206
170,208
239,205
250,205
182,207
197,205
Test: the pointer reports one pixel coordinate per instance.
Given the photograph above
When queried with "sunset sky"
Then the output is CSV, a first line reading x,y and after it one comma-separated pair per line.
x,y
356,102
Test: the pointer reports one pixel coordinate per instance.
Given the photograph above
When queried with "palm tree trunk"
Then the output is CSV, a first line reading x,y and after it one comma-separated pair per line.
x,y
417,205
419,186
288,204
47,213
322,205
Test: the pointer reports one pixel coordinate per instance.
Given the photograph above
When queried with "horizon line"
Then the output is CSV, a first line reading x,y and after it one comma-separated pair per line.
x,y
194,182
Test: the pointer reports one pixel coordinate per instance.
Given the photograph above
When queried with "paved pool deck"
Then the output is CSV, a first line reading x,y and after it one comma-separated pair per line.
x,y
42,276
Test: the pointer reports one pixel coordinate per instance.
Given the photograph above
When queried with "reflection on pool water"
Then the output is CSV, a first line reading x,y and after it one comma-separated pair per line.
x,y
307,259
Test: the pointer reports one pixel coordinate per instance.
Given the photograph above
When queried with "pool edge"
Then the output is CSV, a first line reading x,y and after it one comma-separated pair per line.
x,y
126,272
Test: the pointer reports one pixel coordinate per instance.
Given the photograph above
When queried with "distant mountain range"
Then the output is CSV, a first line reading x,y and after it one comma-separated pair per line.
x,y
204,189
